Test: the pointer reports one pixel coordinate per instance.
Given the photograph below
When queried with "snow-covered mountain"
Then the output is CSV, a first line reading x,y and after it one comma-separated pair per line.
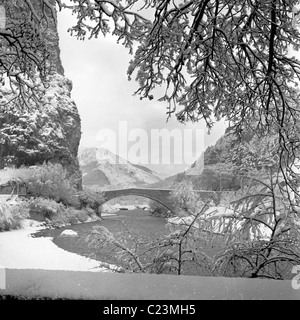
x,y
103,168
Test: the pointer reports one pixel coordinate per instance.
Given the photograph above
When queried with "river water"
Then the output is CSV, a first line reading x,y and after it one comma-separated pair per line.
x,y
139,223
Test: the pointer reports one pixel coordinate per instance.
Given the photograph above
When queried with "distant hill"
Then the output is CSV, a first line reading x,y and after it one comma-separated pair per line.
x,y
100,167
212,171
167,183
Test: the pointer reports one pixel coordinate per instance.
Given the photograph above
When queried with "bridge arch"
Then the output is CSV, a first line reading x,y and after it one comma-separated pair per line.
x,y
160,196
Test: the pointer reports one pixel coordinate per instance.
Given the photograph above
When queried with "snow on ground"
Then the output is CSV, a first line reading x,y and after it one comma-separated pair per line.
x,y
18,250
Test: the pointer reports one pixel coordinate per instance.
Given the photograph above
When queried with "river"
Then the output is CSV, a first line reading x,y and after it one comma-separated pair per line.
x,y
139,223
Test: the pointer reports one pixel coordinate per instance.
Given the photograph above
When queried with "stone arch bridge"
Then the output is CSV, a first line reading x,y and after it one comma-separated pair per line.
x,y
159,195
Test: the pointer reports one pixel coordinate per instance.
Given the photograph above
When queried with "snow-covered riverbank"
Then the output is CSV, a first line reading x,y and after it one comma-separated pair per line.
x,y
19,250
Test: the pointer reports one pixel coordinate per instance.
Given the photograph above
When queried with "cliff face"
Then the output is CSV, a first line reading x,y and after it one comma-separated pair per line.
x,y
51,131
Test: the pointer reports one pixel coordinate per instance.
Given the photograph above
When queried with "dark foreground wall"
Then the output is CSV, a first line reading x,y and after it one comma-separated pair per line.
x,y
100,285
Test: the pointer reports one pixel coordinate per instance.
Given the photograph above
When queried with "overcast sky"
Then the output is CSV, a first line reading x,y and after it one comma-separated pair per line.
x,y
104,96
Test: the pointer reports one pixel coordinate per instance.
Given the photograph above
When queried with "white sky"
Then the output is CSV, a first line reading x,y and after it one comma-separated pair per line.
x,y
104,96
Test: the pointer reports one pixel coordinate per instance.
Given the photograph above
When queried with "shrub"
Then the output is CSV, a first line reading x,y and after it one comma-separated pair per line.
x,y
186,201
90,198
12,215
52,181
45,208
70,216
57,214
159,210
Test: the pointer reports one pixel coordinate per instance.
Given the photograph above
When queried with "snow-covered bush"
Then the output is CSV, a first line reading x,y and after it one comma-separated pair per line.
x,y
91,199
58,214
185,201
12,215
49,181
46,208
70,216
53,181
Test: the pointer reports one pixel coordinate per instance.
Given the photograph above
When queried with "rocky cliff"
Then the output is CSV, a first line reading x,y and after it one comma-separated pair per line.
x,y
51,131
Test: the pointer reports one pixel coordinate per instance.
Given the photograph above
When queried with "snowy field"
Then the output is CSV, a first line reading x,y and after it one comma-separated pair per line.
x,y
19,250
36,267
